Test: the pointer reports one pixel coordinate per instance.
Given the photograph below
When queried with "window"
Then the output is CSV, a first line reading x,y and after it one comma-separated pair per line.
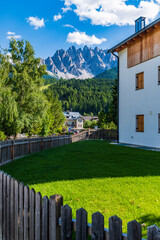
x,y
159,75
139,81
159,122
139,123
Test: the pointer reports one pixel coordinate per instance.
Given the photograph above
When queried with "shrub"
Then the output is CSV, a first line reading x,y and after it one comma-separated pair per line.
x,y
2,136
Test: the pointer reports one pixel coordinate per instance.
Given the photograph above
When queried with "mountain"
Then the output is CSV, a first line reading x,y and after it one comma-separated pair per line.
x,y
109,74
79,63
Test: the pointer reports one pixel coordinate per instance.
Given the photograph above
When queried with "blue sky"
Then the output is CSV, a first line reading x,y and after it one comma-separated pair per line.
x,y
51,25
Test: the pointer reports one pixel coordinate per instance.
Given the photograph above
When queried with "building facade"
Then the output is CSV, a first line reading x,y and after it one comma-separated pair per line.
x,y
139,87
73,120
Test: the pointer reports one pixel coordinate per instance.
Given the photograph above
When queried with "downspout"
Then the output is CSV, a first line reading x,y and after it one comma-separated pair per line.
x,y
118,96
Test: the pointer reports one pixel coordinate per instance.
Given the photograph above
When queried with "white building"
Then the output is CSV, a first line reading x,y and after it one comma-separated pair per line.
x,y
73,120
139,85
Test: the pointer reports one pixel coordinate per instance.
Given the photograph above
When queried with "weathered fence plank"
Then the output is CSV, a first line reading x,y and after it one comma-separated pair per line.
x,y
32,214
66,223
38,212
97,226
81,224
115,228
16,208
134,230
1,203
21,205
4,206
153,233
45,218
12,209
8,205
55,203
26,210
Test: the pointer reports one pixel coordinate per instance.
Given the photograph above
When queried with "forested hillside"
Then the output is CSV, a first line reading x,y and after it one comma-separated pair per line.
x,y
108,74
84,96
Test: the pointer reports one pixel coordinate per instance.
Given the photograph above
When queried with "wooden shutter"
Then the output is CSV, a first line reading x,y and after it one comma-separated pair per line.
x,y
159,122
139,80
159,75
140,123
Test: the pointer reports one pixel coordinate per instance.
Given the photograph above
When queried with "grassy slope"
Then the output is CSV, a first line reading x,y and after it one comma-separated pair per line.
x,y
98,177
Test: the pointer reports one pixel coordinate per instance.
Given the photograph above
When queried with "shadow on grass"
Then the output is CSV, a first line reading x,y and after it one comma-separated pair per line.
x,y
148,220
84,160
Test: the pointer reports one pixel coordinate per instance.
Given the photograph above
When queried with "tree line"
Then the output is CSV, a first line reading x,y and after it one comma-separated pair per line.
x,y
84,96
24,107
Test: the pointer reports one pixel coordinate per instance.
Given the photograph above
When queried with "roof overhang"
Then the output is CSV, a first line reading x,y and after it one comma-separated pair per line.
x,y
135,36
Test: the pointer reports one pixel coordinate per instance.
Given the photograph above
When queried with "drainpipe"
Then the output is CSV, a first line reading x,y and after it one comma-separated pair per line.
x,y
118,96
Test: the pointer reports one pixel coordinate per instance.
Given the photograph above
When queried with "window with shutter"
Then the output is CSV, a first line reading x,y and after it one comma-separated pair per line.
x,y
139,81
159,122
139,123
159,75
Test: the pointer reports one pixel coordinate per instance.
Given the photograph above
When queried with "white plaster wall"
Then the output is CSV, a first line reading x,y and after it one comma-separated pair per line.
x,y
133,102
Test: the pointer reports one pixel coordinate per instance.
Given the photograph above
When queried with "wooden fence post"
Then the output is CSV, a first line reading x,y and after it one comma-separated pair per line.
x,y
29,146
134,230
66,223
38,214
12,150
32,214
153,233
97,226
8,205
4,221
21,204
26,210
115,228
55,203
16,208
12,209
42,144
45,218
1,203
81,224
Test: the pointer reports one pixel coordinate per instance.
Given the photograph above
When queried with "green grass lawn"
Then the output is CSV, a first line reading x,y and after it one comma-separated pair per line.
x,y
97,176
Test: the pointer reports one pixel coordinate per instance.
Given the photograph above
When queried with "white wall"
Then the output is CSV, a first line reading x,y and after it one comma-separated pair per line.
x,y
133,102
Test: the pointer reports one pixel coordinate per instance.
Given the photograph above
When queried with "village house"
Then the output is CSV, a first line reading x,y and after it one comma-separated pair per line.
x,y
73,120
139,85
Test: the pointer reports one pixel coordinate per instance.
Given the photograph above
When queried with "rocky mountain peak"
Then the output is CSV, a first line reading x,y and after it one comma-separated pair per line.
x,y
79,63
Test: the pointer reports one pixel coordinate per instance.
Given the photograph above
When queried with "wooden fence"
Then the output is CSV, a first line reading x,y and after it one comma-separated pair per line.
x,y
25,215
13,149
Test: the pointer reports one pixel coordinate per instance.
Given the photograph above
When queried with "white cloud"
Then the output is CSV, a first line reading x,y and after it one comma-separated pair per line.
x,y
66,9
14,36
82,38
69,26
10,33
36,22
109,12
57,17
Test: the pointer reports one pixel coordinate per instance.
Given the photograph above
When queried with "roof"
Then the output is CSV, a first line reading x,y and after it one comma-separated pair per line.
x,y
72,115
90,118
113,49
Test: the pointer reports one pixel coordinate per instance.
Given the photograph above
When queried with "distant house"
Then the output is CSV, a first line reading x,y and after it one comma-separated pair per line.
x,y
139,85
73,120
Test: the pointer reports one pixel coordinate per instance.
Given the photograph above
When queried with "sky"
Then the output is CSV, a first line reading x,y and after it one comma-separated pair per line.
x,y
52,25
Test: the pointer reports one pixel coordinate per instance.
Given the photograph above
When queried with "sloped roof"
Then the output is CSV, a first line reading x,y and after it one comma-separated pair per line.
x,y
116,47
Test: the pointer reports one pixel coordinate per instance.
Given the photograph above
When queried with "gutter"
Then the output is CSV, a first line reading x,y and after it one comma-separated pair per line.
x,y
118,95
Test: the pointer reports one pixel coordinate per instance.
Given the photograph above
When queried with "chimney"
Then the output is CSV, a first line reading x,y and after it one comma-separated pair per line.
x,y
139,24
